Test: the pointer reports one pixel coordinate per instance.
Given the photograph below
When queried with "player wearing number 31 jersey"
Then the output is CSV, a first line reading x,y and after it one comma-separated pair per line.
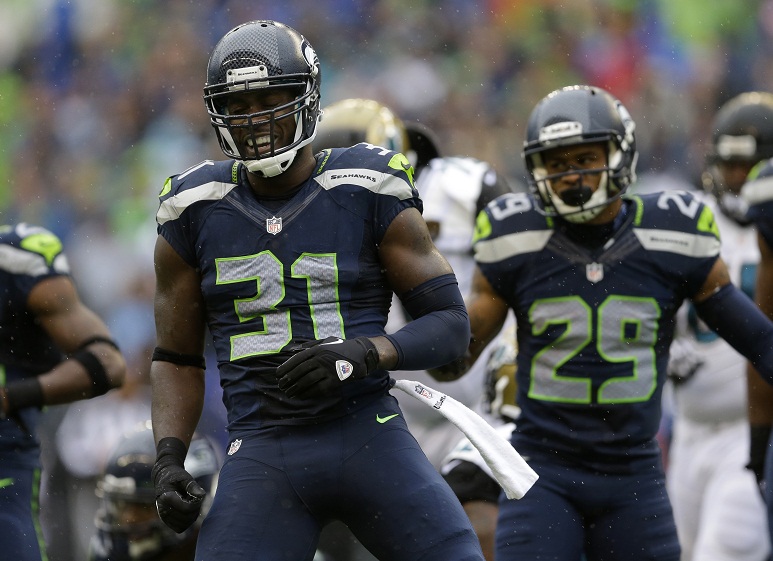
x,y
289,259
594,280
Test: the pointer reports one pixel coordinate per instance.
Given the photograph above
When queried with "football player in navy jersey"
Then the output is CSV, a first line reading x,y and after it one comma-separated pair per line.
x,y
717,506
53,350
290,261
757,192
594,279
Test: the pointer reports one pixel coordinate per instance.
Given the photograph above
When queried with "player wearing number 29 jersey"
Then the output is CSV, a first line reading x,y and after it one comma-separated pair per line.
x,y
328,278
595,324
594,279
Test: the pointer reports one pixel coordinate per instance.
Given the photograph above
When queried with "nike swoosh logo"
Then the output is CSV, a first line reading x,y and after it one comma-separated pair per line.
x,y
382,420
337,342
7,482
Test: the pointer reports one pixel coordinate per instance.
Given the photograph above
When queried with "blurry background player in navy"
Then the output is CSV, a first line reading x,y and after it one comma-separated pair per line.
x,y
718,509
127,525
53,349
595,280
291,260
758,195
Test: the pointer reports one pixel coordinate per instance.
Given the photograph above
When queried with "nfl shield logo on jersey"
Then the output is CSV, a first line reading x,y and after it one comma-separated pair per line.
x,y
274,225
235,445
594,272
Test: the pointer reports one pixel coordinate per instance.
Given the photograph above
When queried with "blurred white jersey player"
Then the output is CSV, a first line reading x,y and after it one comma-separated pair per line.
x,y
453,190
719,512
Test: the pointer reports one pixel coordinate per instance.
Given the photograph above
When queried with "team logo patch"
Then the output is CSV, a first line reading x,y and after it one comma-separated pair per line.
x,y
594,272
344,369
274,225
234,447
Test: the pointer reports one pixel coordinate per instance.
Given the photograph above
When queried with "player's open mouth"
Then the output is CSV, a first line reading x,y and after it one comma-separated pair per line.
x,y
258,145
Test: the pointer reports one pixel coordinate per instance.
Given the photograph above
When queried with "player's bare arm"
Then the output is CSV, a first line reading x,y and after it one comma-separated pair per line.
x,y
72,326
178,389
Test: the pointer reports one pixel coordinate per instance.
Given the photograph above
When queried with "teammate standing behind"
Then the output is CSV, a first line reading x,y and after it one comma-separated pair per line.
x,y
758,194
53,350
291,261
719,513
595,280
127,524
453,190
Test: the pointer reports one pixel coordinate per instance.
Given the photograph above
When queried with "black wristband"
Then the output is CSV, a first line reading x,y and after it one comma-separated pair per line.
x,y
179,359
100,384
99,339
24,393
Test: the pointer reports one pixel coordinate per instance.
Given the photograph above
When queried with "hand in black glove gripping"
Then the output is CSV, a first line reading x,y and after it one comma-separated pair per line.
x,y
320,366
178,495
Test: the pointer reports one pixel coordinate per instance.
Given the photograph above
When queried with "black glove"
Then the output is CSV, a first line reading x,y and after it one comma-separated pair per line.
x,y
319,367
178,495
758,449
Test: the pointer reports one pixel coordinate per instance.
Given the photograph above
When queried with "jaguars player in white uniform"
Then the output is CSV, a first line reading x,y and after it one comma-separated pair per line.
x,y
719,512
453,190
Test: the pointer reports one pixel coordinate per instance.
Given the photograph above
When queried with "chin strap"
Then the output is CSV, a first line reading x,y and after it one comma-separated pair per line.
x,y
272,166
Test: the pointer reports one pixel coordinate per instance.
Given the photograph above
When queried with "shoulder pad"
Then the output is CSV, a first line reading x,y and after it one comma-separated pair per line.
x,y
206,181
368,166
31,250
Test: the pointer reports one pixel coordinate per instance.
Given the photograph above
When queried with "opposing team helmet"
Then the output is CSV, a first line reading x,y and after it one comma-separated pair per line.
x,y
577,115
424,145
128,526
351,121
742,133
261,55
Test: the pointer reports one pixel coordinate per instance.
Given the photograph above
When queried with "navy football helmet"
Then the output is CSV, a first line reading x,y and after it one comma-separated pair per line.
x,y
742,135
580,115
128,526
351,121
261,55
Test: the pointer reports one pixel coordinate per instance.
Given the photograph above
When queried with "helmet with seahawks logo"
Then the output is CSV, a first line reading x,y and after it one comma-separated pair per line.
x,y
263,55
577,115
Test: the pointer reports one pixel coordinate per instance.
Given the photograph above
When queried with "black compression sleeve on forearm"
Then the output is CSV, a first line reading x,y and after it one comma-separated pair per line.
x,y
441,331
738,320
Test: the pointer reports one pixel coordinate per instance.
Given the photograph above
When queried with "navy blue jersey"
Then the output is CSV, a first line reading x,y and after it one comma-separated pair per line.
x,y
28,255
594,322
273,277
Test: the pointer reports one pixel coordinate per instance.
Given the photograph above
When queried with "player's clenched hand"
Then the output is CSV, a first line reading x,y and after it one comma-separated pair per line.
x,y
318,367
178,495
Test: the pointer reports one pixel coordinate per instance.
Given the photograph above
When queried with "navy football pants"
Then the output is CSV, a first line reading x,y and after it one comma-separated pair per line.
x,y
570,510
282,485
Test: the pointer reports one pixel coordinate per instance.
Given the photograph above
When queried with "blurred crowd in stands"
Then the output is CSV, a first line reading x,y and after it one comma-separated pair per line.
x,y
101,100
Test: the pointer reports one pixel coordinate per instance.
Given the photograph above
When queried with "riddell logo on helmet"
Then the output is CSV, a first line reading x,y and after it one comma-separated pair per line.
x,y
566,129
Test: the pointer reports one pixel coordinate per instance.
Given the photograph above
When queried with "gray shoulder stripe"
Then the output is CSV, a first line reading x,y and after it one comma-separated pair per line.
x,y
681,243
375,181
173,207
20,262
510,245
758,191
